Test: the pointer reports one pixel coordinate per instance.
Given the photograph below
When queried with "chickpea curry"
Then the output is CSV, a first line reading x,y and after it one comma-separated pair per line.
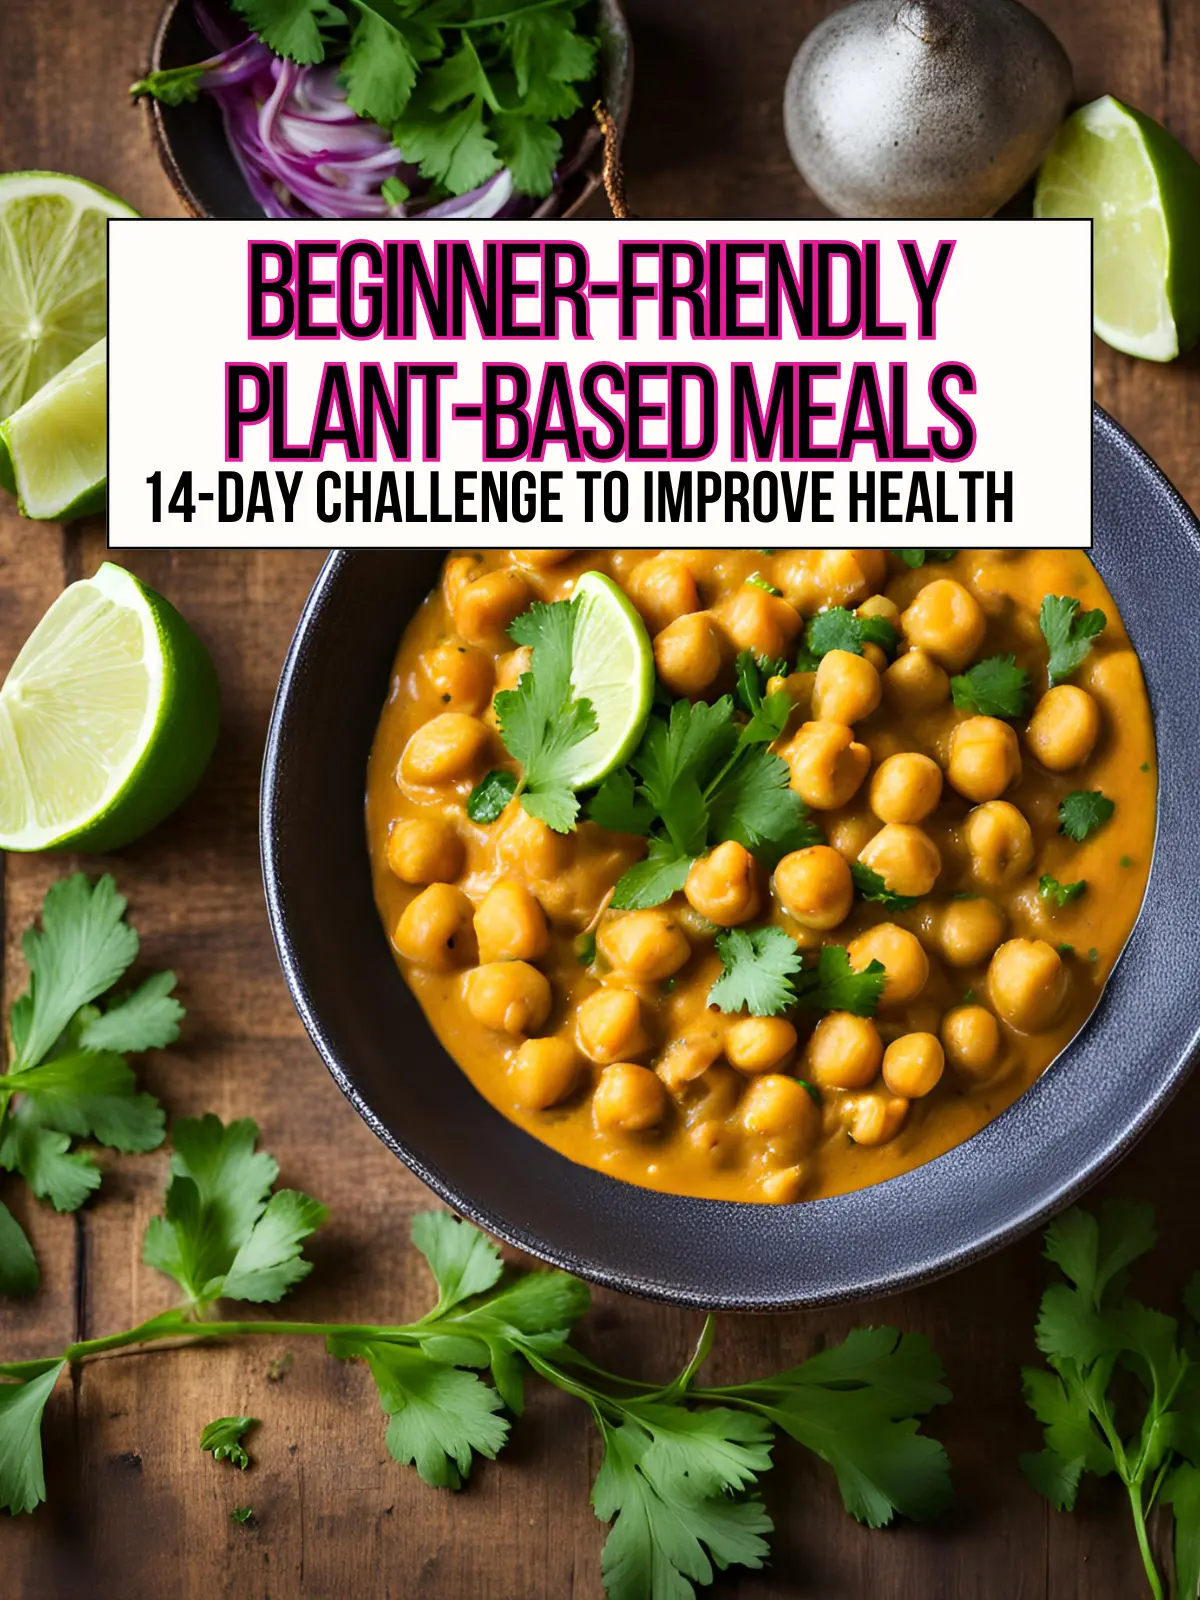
x,y
852,882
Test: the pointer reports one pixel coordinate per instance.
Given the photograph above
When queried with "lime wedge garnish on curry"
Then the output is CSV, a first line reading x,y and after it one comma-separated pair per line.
x,y
612,666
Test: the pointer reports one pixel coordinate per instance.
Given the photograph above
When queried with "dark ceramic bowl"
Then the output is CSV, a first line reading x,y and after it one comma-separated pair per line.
x,y
195,153
1103,1091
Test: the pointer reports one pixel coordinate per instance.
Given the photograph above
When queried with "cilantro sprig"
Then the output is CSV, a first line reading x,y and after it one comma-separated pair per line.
x,y
696,779
1069,634
1082,812
1050,889
464,86
1120,1391
542,721
839,629
679,1479
995,687
68,1077
764,973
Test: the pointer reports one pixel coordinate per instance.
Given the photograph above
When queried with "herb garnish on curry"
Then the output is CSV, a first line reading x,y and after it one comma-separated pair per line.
x,y
808,895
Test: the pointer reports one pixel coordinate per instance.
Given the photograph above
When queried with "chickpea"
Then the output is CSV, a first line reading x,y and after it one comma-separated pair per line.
x,y
628,1099
970,930
444,749
815,887
785,1187
906,787
662,589
1028,984
971,1040
947,621
877,658
526,845
542,560
510,996
687,654
913,1064
827,764
724,885
460,675
689,1057
608,1026
710,1139
713,1094
795,572
1000,841
774,1106
1064,727
851,832
648,945
905,857
482,609
543,1072
510,925
880,606
765,623
984,758
435,928
915,683
873,1119
511,667
901,954
850,576
759,1044
844,1052
425,850
847,688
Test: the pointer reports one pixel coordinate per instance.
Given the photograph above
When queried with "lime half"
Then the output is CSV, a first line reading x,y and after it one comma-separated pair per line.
x,y
54,448
53,276
107,718
1142,190
612,665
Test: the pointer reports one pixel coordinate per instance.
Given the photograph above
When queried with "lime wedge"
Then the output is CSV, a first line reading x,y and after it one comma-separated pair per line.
x,y
54,448
612,665
107,718
53,276
1142,190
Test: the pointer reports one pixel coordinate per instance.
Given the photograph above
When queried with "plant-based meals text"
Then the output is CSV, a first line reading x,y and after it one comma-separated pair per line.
x,y
761,875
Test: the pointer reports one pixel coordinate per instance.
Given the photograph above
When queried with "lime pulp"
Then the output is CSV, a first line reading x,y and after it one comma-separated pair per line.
x,y
55,451
612,666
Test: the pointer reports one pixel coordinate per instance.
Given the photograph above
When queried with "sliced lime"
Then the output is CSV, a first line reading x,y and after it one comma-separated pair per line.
x,y
612,665
53,276
1142,190
107,718
54,448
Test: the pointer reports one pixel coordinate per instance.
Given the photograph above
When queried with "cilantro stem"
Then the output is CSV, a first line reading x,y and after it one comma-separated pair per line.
x,y
1143,1539
502,16
196,1332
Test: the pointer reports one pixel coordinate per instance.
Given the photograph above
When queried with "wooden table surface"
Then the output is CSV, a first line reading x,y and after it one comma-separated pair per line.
x,y
135,1511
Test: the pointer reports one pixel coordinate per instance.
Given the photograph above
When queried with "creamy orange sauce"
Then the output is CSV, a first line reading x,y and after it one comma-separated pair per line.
x,y
701,1145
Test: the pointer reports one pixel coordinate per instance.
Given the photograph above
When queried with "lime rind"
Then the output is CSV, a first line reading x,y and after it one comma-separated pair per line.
x,y
612,666
55,445
1142,191
107,718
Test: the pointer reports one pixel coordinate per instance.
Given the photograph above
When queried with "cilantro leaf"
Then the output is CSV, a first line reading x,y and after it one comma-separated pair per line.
x,y
224,1232
82,949
541,721
615,805
1182,1491
995,687
529,149
440,1417
292,28
1068,633
759,966
22,1480
380,68
669,1530
1057,1477
453,150
243,1516
548,56
834,629
172,86
147,1019
490,796
1082,812
756,805
1095,1249
222,1439
833,986
872,887
1062,894
918,558
18,1264
532,1316
42,1156
650,882
753,675
92,1094
464,1261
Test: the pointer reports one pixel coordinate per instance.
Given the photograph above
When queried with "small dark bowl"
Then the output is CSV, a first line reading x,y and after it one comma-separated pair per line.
x,y
1103,1091
195,153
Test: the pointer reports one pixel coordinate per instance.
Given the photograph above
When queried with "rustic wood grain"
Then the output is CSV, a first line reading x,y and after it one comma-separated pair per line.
x,y
135,1510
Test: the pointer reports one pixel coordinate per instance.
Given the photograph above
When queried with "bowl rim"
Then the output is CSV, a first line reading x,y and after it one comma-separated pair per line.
x,y
577,189
924,1264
